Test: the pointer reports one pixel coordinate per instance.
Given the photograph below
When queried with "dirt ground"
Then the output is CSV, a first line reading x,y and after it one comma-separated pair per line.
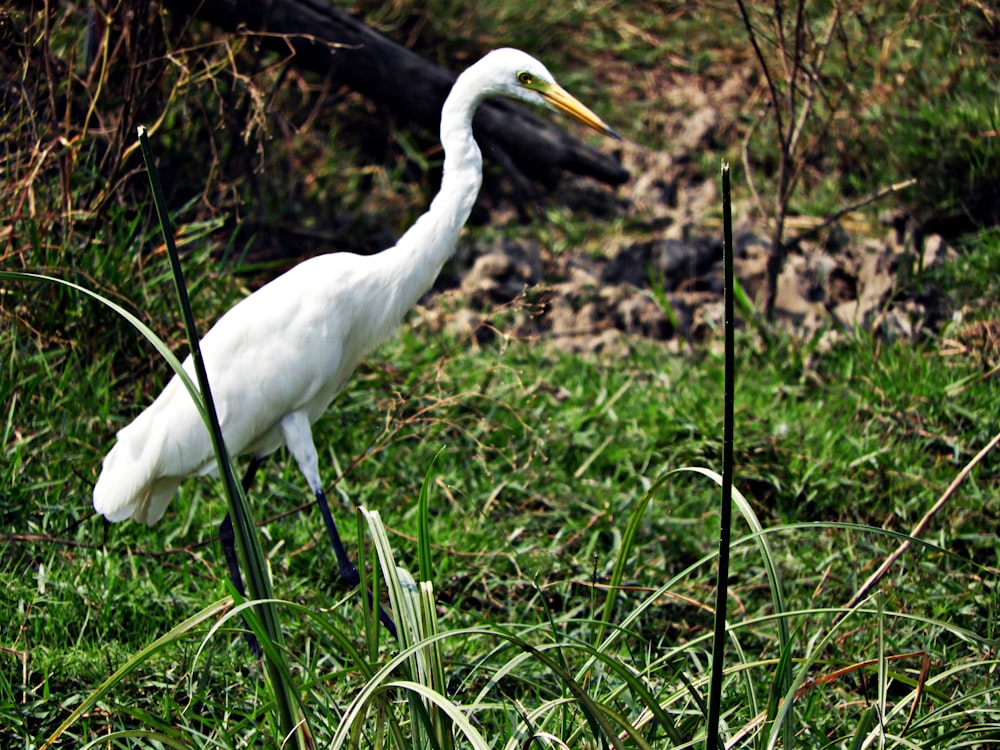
x,y
847,276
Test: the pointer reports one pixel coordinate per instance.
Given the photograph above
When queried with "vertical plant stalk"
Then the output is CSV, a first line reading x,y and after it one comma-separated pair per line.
x,y
247,542
728,432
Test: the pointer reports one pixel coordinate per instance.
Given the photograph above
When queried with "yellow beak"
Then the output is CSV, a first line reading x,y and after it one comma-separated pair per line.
x,y
561,99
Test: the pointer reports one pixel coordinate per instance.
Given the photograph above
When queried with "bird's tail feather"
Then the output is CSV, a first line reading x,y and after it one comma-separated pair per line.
x,y
128,486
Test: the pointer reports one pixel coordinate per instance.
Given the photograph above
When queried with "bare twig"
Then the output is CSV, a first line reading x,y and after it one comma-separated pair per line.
x,y
748,168
737,739
877,576
876,196
763,65
800,60
811,91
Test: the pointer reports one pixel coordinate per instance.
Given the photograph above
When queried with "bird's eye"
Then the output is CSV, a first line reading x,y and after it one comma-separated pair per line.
x,y
525,78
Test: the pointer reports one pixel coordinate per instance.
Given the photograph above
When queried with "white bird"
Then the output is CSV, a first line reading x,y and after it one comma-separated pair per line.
x,y
278,358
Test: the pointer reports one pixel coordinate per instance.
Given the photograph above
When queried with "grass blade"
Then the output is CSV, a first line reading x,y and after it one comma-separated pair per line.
x,y
209,613
247,541
426,564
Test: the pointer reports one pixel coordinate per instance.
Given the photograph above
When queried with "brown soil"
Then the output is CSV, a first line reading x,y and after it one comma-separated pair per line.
x,y
841,280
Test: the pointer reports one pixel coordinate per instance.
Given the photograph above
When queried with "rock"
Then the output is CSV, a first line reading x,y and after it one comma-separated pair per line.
x,y
502,273
698,131
673,262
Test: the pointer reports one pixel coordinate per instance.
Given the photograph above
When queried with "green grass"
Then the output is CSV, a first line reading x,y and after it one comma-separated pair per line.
x,y
545,475
543,457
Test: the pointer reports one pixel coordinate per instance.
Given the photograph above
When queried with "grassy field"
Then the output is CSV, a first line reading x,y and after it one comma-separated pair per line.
x,y
571,554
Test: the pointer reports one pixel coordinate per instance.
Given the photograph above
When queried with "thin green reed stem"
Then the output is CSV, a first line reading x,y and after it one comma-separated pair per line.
x,y
160,203
728,430
248,543
215,430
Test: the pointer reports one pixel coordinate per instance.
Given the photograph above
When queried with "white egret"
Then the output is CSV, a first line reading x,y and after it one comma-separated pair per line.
x,y
279,357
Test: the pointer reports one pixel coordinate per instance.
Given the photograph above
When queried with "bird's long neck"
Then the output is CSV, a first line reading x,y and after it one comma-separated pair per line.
x,y
416,260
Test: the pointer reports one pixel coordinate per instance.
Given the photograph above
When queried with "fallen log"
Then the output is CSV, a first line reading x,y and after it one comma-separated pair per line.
x,y
331,42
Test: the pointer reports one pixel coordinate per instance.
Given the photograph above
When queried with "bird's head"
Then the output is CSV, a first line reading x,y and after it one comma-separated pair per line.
x,y
516,74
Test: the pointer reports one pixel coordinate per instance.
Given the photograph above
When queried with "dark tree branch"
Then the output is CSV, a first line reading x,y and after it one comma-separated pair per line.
x,y
331,42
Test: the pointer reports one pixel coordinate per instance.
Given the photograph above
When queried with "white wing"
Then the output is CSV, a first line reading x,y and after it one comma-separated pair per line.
x,y
274,353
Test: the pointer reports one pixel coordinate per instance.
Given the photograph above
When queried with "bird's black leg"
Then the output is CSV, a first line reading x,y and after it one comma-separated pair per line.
x,y
251,472
348,570
227,538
